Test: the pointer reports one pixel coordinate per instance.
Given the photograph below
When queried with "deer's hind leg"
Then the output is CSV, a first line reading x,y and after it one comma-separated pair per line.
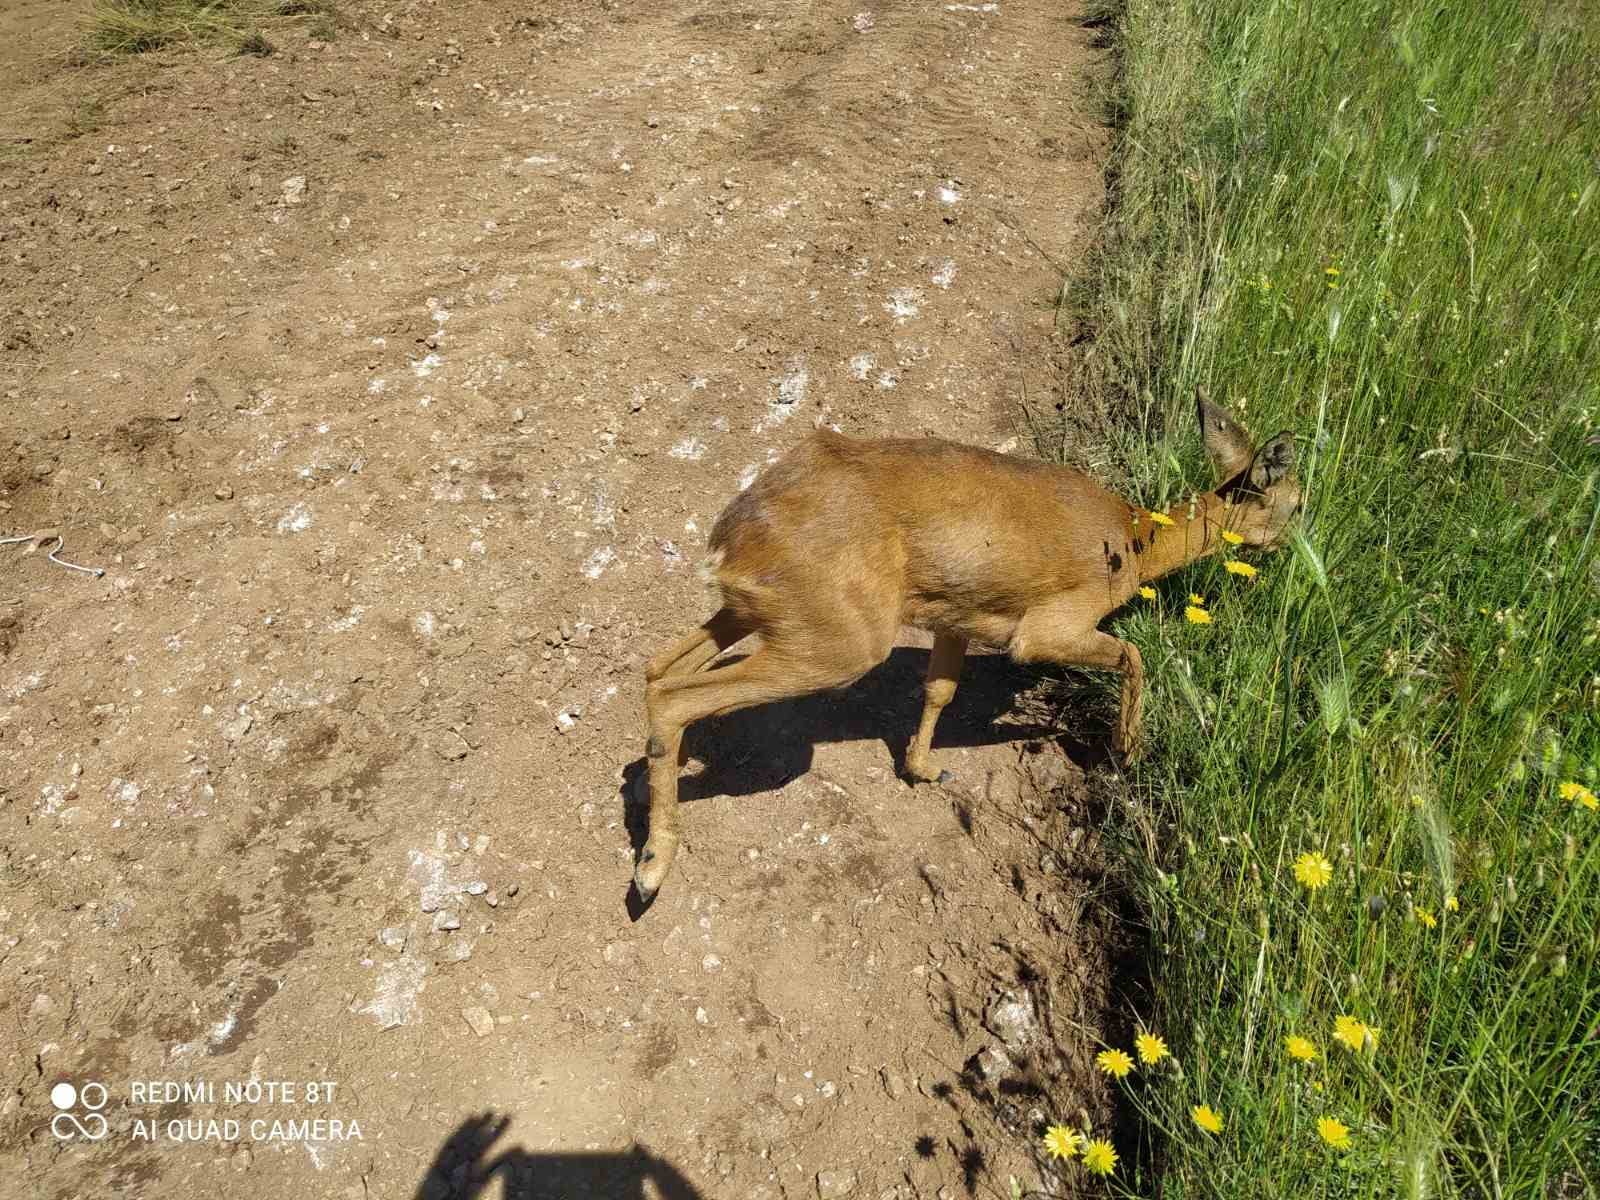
x,y
676,701
694,651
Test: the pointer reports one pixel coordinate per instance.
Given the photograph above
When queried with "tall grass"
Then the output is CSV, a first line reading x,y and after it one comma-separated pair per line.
x,y
137,26
1378,225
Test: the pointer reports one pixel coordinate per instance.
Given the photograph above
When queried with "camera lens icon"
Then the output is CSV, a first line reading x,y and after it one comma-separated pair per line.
x,y
67,1125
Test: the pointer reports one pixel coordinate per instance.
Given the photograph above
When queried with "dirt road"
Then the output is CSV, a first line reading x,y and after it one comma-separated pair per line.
x,y
395,382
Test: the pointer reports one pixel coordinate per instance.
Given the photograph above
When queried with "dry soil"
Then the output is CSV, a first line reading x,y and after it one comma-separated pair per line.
x,y
395,381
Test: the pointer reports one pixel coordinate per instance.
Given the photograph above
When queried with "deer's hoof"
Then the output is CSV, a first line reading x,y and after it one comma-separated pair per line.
x,y
655,862
913,777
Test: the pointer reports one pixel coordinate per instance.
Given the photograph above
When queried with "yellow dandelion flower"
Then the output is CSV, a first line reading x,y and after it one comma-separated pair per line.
x,y
1232,538
1425,917
1099,1157
1161,518
1334,271
1061,1142
1300,1048
1234,567
1573,790
1207,1118
1451,904
1151,1048
1335,1133
1197,599
1114,1063
1354,1034
1197,616
1313,870
1149,593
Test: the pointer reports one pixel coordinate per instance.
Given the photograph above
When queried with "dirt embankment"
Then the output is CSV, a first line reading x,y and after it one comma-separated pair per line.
x,y
395,382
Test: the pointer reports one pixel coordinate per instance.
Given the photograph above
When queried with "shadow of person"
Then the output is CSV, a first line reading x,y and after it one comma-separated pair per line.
x,y
464,1170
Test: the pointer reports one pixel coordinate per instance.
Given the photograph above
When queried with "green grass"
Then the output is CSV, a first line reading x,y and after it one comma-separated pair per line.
x,y
136,26
1378,225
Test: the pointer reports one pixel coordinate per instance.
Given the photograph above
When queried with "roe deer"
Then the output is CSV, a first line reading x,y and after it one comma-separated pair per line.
x,y
841,542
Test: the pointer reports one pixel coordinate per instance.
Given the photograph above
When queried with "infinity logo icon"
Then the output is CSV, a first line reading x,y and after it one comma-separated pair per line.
x,y
66,1124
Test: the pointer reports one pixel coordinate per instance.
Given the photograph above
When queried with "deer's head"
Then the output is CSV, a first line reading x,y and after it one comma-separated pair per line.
x,y
1257,486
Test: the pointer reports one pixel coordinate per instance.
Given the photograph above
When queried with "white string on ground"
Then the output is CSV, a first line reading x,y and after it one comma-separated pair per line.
x,y
40,539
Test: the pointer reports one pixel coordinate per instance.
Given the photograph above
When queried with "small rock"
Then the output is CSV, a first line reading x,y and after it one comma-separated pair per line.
x,y
711,963
394,936
512,889
492,899
479,1019
1012,1019
294,189
892,1083
833,1184
444,919
476,888
992,1062
225,492
460,950
235,729
242,1158
448,746
1050,771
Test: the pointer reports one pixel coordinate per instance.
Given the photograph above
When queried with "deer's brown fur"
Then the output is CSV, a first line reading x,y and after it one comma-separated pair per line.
x,y
836,546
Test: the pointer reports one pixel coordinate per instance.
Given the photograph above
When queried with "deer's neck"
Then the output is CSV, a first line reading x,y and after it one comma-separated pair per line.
x,y
1193,529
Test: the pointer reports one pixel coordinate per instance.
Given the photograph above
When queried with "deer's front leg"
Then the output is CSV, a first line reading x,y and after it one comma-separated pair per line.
x,y
1055,633
944,669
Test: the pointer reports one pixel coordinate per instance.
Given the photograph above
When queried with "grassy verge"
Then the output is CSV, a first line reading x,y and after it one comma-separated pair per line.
x,y
136,26
1379,225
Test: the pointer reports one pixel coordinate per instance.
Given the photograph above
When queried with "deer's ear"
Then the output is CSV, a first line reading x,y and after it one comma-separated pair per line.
x,y
1273,462
1226,441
